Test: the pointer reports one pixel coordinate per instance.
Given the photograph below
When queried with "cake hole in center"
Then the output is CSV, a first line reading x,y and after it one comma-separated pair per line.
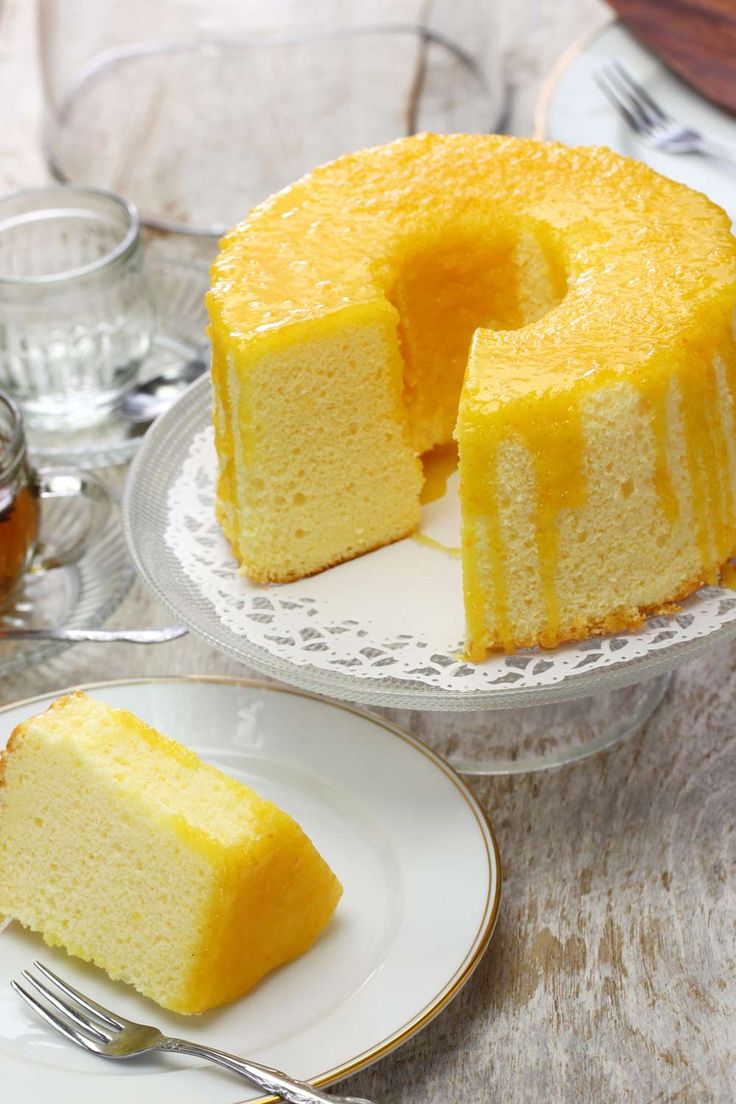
x,y
457,280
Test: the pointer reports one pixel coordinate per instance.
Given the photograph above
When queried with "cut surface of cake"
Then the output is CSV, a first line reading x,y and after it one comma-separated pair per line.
x,y
121,846
567,314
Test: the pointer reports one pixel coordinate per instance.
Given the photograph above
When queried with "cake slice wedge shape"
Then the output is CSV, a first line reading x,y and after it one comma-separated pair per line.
x,y
123,847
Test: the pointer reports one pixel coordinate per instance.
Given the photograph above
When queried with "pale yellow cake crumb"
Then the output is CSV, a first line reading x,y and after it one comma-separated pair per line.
x,y
123,847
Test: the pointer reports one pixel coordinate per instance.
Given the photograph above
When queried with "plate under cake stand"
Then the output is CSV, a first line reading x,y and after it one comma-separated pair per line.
x,y
387,628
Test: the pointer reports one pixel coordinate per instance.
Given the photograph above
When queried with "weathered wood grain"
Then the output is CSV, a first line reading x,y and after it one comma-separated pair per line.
x,y
696,38
612,975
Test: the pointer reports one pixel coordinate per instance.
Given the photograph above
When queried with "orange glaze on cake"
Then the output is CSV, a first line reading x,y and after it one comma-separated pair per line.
x,y
568,313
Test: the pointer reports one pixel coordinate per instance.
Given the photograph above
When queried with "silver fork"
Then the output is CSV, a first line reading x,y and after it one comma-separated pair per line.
x,y
97,1029
650,121
101,636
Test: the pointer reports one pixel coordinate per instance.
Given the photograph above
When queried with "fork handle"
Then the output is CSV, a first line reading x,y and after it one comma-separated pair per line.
x,y
99,636
263,1077
709,147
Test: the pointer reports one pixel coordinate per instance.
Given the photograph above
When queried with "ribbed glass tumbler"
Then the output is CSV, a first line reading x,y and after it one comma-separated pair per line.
x,y
76,314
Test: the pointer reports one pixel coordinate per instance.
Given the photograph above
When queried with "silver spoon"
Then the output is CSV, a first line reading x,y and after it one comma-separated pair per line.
x,y
145,401
104,636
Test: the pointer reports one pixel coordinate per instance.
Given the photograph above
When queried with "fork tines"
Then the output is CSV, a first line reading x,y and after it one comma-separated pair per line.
x,y
91,1030
629,97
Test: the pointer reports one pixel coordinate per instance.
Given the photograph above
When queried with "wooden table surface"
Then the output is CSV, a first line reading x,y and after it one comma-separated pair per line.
x,y
612,974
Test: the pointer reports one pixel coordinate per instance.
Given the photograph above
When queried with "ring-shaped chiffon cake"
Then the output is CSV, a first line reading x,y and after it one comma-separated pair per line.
x,y
566,313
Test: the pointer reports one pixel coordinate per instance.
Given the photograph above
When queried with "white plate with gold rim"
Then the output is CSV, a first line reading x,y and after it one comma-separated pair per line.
x,y
422,883
573,109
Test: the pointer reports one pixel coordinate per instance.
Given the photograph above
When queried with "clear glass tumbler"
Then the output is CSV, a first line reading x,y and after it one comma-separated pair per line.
x,y
197,109
77,316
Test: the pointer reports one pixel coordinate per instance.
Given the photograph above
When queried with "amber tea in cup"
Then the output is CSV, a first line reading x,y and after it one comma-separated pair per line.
x,y
22,490
20,511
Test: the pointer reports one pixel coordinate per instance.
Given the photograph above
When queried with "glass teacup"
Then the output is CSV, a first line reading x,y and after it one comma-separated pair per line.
x,y
76,313
22,491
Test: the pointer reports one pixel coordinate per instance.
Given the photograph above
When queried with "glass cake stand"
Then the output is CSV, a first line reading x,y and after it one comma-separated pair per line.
x,y
386,629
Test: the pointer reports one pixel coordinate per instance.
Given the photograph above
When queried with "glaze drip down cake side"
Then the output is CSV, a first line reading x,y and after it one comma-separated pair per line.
x,y
121,846
567,314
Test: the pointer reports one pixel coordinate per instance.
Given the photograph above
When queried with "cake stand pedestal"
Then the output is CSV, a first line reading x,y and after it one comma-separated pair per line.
x,y
522,739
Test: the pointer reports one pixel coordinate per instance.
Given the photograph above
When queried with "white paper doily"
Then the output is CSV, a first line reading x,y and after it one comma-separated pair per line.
x,y
396,614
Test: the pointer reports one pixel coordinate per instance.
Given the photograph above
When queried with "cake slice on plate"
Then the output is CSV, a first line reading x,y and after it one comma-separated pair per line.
x,y
121,846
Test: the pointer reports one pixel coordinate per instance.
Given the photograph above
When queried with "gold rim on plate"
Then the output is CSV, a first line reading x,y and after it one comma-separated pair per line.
x,y
490,913
552,79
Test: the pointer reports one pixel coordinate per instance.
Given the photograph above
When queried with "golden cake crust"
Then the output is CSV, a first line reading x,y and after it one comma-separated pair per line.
x,y
615,622
256,573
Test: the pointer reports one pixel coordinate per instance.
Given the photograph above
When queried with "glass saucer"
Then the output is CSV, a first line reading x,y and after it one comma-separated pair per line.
x,y
80,595
179,291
